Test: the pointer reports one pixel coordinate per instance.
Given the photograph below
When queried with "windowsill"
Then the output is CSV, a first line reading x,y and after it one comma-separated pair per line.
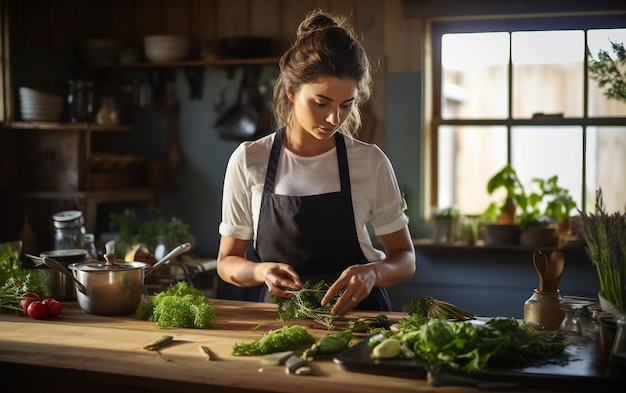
x,y
430,245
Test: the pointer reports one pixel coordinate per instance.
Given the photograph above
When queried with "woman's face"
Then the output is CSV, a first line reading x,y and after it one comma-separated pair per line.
x,y
320,108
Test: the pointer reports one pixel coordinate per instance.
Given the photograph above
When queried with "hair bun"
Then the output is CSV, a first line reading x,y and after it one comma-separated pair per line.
x,y
317,20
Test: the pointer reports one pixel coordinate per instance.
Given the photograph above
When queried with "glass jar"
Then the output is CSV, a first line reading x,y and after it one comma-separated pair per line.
x,y
107,114
80,100
544,310
69,230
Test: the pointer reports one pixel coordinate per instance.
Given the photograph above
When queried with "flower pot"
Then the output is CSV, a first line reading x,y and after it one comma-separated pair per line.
x,y
501,234
539,236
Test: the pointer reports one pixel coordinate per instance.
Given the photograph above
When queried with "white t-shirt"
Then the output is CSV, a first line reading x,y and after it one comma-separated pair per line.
x,y
376,197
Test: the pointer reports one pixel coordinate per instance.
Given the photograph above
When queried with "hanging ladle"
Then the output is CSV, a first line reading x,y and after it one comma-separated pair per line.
x,y
540,262
174,253
554,269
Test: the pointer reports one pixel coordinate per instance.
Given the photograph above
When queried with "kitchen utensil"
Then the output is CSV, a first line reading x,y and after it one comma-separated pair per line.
x,y
56,284
110,288
539,261
239,122
167,258
554,270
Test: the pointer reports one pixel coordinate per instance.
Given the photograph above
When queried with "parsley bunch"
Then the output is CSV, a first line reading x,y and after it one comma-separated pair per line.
x,y
305,303
178,306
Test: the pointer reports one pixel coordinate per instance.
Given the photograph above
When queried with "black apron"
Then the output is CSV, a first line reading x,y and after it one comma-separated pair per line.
x,y
316,234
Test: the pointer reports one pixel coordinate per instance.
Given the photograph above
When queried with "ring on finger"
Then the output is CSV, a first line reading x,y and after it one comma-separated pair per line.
x,y
354,299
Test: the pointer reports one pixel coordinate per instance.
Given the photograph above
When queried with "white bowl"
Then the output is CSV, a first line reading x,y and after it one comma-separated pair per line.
x,y
165,39
167,54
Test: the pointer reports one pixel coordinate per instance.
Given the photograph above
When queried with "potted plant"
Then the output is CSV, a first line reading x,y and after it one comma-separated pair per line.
x,y
546,227
159,231
605,238
446,225
501,219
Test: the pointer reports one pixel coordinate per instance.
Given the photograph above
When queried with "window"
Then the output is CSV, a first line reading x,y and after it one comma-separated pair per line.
x,y
518,91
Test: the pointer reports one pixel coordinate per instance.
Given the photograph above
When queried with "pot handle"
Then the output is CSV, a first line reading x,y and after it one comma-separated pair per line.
x,y
56,265
183,248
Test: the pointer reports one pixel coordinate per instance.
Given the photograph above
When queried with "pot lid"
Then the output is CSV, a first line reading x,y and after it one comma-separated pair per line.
x,y
105,266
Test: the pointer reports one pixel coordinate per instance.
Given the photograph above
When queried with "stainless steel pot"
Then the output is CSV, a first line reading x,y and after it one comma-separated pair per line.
x,y
111,288
55,283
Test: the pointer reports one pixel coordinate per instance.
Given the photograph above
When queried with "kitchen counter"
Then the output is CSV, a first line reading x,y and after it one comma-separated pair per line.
x,y
78,351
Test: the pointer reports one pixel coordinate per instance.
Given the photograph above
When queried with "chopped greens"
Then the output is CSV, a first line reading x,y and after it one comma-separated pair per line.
x,y
178,306
286,338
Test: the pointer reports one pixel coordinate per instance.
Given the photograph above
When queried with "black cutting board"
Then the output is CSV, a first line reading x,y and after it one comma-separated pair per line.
x,y
586,370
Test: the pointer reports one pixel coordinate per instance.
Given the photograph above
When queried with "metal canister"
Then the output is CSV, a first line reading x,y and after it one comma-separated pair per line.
x,y
69,229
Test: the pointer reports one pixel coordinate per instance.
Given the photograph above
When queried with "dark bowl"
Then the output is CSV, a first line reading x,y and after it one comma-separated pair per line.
x,y
246,47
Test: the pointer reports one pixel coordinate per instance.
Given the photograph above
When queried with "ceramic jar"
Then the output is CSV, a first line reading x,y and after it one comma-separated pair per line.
x,y
544,310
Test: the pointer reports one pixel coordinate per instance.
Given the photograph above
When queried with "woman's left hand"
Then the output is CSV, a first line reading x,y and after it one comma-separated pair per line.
x,y
358,281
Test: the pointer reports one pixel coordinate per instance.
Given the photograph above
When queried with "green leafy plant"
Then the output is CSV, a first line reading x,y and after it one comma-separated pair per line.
x,y
15,282
545,203
609,72
605,237
507,179
305,304
286,338
179,306
160,229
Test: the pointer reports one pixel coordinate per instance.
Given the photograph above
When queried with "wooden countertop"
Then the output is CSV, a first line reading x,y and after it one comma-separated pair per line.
x,y
78,351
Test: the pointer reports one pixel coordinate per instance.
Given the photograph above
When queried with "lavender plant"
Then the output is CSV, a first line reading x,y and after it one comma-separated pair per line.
x,y
605,237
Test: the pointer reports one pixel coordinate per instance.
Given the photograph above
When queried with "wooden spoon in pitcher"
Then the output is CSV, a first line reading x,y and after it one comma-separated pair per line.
x,y
554,269
539,261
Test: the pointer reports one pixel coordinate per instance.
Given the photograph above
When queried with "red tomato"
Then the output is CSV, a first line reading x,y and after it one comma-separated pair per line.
x,y
53,306
27,299
36,310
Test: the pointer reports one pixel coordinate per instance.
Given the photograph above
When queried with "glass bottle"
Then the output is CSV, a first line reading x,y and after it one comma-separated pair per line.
x,y
80,100
544,309
90,245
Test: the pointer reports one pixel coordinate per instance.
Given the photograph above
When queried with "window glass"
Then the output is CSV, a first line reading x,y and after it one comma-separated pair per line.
x,y
474,75
542,152
548,73
468,157
606,160
599,104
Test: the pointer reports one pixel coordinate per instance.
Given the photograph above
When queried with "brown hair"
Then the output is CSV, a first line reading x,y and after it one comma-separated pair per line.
x,y
325,45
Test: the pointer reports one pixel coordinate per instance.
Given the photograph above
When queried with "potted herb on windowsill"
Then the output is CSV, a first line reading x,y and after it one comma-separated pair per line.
x,y
446,226
549,226
501,226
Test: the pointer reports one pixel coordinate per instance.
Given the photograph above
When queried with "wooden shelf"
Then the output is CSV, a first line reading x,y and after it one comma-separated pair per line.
x,y
44,125
194,63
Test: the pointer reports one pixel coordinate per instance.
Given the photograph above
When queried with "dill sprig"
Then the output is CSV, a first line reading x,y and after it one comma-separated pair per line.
x,y
605,237
305,303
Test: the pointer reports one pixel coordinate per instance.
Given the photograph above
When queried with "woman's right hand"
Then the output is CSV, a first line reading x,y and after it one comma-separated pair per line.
x,y
281,276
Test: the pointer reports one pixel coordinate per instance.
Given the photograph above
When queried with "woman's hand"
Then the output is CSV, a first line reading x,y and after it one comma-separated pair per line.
x,y
279,276
358,281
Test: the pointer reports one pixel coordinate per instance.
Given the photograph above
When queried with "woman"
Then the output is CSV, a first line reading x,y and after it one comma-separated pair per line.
x,y
305,193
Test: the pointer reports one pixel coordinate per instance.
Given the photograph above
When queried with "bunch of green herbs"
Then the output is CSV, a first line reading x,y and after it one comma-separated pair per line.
x,y
305,303
287,338
605,238
15,282
178,306
471,348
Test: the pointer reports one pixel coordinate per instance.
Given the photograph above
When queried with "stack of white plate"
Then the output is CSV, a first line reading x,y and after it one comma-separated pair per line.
x,y
37,105
166,47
